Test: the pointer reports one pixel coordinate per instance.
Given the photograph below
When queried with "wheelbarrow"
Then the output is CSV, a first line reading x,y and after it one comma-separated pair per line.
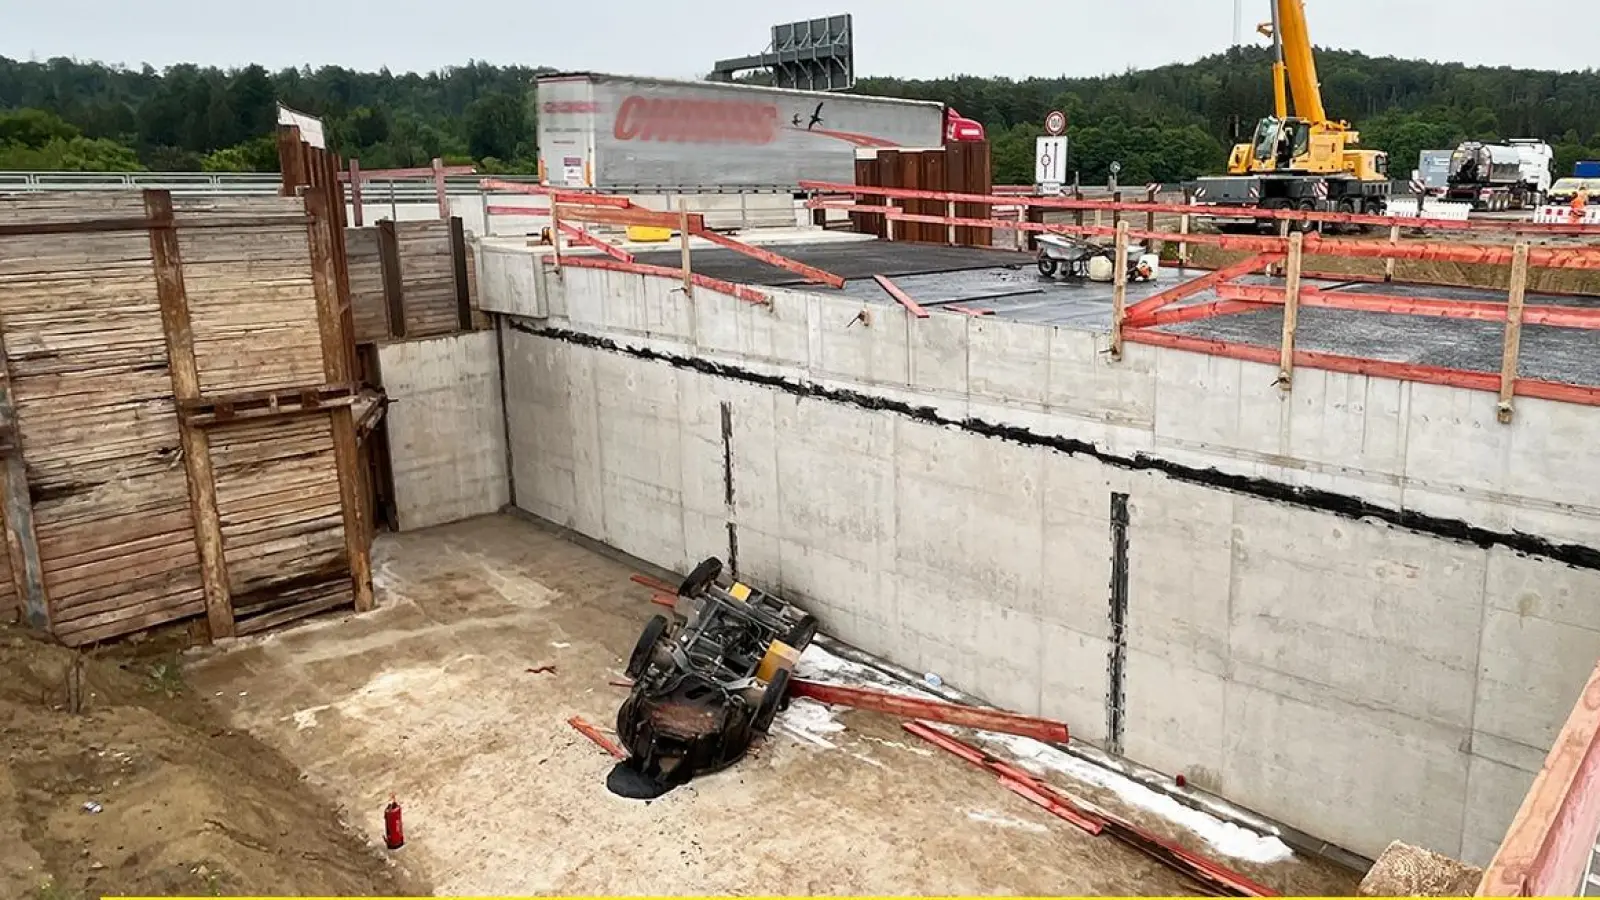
x,y
1076,258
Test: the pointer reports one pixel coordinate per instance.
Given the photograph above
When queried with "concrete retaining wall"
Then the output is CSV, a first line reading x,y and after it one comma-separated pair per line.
x,y
940,491
446,428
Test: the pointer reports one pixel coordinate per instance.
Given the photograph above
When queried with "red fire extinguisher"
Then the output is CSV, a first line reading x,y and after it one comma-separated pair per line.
x,y
393,836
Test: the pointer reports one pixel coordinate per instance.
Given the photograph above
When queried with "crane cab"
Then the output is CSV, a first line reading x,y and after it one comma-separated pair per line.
x,y
1293,144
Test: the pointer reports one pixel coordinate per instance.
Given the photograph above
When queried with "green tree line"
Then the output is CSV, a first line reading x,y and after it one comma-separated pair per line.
x,y
1162,124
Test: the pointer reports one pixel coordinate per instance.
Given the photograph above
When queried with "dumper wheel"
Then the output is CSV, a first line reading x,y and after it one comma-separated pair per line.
x,y
703,576
800,636
767,710
1047,267
653,630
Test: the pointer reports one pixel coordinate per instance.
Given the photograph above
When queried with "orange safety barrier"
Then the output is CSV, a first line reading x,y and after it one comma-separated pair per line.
x,y
1277,215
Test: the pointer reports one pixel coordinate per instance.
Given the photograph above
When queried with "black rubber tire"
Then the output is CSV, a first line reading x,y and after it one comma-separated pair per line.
x,y
767,710
653,630
799,637
1047,267
703,576
1305,226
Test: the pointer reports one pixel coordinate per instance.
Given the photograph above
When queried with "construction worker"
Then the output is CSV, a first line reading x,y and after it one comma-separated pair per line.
x,y
1580,204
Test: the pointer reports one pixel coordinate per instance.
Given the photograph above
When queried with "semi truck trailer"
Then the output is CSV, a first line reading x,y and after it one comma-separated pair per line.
x,y
620,133
1495,177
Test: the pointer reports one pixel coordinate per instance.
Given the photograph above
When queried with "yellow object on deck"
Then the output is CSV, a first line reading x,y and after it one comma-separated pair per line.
x,y
739,591
649,234
779,656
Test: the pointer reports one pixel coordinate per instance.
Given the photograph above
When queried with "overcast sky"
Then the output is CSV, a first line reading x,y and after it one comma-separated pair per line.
x,y
907,38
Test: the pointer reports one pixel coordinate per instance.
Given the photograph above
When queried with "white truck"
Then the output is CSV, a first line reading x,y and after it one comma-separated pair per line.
x,y
648,135
1497,177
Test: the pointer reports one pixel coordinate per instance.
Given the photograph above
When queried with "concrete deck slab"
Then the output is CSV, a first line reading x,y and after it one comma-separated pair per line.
x,y
430,698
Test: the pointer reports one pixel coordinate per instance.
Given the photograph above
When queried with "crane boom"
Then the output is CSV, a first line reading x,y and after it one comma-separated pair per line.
x,y
1294,41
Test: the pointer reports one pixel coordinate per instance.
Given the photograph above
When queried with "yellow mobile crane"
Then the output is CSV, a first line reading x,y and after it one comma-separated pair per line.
x,y
1305,161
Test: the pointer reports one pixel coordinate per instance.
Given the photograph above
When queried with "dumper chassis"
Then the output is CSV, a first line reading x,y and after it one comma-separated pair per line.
x,y
709,677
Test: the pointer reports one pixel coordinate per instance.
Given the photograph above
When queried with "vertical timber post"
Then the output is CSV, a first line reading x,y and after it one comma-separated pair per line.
x,y
1511,351
174,299
355,191
555,231
1119,290
394,300
683,232
1291,309
1150,194
320,225
439,188
1388,263
458,272
1183,228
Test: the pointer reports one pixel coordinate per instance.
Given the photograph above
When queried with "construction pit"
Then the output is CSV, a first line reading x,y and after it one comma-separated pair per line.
x,y
1301,583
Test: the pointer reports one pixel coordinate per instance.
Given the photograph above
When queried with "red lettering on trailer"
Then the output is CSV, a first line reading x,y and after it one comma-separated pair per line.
x,y
683,121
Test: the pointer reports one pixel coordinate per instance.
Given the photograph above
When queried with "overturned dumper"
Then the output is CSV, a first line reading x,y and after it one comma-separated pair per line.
x,y
707,679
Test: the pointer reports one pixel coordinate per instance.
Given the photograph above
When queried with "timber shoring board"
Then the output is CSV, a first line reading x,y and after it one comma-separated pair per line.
x,y
368,302
428,278
106,337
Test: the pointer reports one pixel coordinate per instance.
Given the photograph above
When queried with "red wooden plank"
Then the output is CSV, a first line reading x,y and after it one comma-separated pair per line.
x,y
1476,310
1014,779
932,710
654,584
747,294
967,310
594,734
1584,395
532,211
589,240
1094,820
396,174
1201,210
1546,851
577,198
1436,251
900,296
809,273
1191,313
1203,283
630,216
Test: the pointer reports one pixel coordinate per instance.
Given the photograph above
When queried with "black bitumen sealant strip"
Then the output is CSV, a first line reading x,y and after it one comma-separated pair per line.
x,y
1343,505
1117,661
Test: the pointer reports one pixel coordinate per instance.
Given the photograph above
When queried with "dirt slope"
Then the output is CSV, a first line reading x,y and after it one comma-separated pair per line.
x,y
187,807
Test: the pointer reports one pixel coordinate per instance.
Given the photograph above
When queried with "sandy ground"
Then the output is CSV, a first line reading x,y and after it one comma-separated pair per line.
x,y
120,780
430,698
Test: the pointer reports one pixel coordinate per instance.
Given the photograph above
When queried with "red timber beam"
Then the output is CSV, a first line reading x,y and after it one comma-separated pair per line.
x,y
1584,395
630,216
1096,821
356,174
809,273
1434,251
931,710
1194,286
1546,851
1182,209
742,292
576,198
903,298
589,240
1476,310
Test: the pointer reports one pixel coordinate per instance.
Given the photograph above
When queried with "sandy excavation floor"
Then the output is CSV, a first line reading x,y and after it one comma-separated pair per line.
x,y
430,698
